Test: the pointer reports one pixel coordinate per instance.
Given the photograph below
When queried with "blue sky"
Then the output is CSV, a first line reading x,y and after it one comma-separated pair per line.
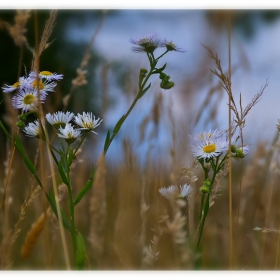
x,y
257,59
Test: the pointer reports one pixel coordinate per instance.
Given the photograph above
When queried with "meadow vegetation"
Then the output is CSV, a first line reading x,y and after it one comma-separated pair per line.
x,y
207,201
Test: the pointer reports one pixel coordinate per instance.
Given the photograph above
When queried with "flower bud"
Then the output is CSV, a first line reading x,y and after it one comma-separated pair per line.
x,y
240,153
233,149
205,188
142,75
143,71
166,85
20,124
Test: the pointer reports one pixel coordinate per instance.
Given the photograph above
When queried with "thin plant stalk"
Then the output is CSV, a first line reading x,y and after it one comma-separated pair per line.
x,y
230,135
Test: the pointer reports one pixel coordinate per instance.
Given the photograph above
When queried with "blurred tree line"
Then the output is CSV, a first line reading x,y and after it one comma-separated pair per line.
x,y
61,57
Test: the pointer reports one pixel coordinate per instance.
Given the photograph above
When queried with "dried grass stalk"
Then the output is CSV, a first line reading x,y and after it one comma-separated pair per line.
x,y
225,82
17,31
45,37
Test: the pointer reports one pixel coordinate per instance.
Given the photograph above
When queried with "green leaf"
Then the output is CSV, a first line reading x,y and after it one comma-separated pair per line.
x,y
144,91
62,173
19,144
71,156
52,202
81,251
160,69
119,124
20,148
86,188
107,141
5,131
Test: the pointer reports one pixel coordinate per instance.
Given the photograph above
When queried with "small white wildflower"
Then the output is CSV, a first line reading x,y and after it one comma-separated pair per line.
x,y
49,76
185,190
171,46
59,119
27,99
87,121
172,192
69,133
208,144
22,83
44,86
33,129
146,44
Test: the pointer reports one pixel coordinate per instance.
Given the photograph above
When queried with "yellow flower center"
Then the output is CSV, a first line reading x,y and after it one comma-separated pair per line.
x,y
28,99
210,148
87,125
46,73
41,85
16,85
58,124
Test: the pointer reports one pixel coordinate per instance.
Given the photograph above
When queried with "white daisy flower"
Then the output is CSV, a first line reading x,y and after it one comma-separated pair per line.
x,y
59,119
208,144
173,192
69,133
171,46
27,99
8,88
47,75
87,121
22,83
44,86
33,129
146,44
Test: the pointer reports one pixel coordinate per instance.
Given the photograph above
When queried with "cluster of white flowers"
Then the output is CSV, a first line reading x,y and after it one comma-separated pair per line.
x,y
62,122
32,89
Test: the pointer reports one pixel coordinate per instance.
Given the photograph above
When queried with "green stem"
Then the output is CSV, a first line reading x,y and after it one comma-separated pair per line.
x,y
162,55
141,88
205,212
201,206
72,209
84,137
202,217
72,214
